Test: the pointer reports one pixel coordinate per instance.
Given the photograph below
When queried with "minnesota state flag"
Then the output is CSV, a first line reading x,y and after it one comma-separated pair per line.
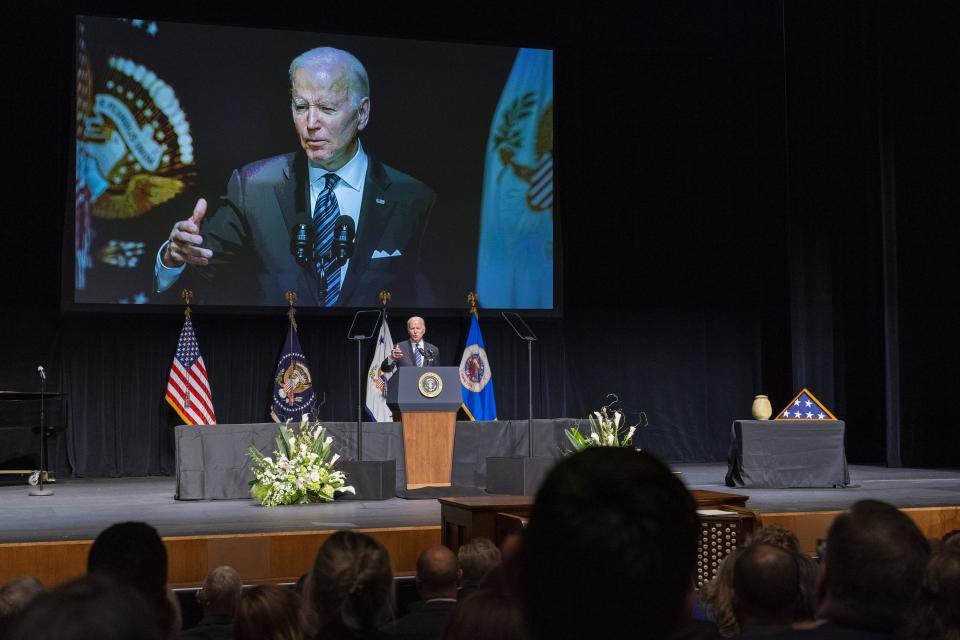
x,y
293,394
476,377
515,250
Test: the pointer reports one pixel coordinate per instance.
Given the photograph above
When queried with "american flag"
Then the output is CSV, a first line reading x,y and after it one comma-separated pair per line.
x,y
188,390
805,406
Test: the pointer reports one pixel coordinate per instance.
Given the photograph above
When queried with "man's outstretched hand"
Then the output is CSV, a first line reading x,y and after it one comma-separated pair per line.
x,y
185,240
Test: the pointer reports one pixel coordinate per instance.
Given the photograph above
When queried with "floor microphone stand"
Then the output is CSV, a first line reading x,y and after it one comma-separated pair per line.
x,y
39,490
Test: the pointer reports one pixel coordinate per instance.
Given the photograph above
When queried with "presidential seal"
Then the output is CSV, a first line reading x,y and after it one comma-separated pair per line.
x,y
430,385
293,387
474,368
134,146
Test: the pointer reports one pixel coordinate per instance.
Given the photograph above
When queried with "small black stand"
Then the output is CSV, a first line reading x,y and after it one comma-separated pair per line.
x,y
372,479
520,475
39,490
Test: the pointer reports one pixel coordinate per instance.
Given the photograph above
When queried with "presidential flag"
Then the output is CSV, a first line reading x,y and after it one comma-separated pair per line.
x,y
376,405
188,389
293,393
805,406
476,377
515,251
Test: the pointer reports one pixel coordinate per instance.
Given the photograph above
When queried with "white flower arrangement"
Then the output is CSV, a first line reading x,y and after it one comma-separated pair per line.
x,y
303,471
606,429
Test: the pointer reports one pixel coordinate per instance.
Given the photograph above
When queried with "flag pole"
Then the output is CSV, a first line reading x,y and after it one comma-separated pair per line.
x,y
291,298
186,295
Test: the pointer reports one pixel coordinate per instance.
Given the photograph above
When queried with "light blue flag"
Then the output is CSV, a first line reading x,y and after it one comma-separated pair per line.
x,y
476,377
515,252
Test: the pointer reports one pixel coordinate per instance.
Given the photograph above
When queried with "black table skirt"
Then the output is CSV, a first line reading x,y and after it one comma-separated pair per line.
x,y
787,453
212,462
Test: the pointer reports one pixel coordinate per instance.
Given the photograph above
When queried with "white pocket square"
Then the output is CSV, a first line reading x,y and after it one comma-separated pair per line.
x,y
383,254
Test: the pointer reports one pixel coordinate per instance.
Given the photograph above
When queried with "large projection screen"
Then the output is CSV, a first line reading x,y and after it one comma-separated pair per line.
x,y
454,193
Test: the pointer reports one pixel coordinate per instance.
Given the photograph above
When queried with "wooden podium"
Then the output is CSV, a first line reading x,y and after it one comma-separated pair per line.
x,y
427,399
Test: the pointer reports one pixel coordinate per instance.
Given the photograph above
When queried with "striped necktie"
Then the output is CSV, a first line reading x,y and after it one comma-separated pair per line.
x,y
418,355
325,214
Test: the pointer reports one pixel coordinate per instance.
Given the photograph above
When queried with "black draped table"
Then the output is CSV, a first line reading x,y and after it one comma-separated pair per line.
x,y
212,462
787,453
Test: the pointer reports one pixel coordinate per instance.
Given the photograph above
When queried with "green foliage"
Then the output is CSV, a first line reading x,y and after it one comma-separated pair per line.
x,y
606,430
303,470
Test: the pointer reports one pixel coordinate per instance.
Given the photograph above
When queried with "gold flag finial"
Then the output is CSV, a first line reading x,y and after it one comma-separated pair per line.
x,y
384,298
186,295
473,299
291,298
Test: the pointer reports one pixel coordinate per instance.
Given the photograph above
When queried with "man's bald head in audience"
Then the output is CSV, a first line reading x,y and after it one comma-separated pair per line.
x,y
437,573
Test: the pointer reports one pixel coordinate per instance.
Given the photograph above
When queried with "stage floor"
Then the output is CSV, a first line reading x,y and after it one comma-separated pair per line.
x,y
80,509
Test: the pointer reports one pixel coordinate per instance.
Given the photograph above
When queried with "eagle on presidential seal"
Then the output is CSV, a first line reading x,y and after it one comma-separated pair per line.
x,y
294,380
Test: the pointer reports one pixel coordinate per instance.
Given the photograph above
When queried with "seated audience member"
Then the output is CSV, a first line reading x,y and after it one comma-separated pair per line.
x,y
872,572
15,595
133,554
717,594
717,597
805,616
269,612
486,614
476,559
609,550
766,588
351,587
94,607
937,616
437,579
219,597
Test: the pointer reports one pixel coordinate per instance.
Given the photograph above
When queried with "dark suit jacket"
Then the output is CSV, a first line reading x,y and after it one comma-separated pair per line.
x,y
834,631
426,622
249,234
210,628
407,359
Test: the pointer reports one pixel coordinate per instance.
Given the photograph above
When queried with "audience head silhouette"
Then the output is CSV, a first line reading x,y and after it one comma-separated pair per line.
x,y
875,560
766,586
352,582
270,612
616,524
96,606
938,611
477,558
437,573
220,593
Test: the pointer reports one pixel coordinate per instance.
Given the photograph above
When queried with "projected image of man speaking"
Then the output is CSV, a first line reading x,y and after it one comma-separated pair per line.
x,y
330,221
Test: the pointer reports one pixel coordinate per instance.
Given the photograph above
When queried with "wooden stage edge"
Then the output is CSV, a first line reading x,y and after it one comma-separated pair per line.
x,y
810,526
285,556
258,557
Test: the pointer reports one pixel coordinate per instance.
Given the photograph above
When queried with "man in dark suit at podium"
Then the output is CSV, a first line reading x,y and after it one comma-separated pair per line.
x,y
414,352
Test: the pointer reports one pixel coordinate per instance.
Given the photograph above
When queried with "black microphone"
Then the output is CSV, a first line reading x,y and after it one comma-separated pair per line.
x,y
301,243
344,232
43,374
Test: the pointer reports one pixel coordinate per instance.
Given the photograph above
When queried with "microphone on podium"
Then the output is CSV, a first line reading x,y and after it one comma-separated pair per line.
x,y
344,232
301,243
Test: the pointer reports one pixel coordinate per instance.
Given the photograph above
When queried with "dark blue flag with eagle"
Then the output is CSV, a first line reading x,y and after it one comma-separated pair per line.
x,y
293,393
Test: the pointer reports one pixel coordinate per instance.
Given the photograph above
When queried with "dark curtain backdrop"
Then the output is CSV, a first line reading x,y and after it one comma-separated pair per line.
x,y
752,197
